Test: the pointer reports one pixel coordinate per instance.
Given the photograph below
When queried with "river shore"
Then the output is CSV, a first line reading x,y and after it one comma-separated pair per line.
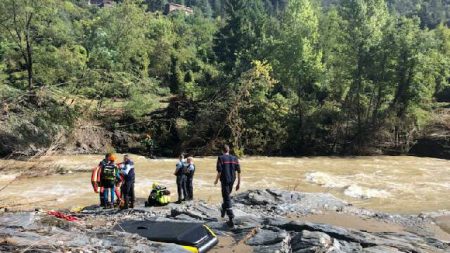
x,y
320,218
391,184
266,221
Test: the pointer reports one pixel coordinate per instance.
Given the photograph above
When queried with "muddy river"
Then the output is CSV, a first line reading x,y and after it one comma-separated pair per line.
x,y
393,184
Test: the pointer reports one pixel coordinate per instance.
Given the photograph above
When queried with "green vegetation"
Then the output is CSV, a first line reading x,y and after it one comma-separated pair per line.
x,y
271,77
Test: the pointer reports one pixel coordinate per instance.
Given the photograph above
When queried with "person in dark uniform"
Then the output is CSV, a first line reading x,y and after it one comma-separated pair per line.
x,y
128,184
190,169
227,166
181,179
102,164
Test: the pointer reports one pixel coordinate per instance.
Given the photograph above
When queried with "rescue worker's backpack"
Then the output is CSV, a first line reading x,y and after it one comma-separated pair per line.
x,y
109,172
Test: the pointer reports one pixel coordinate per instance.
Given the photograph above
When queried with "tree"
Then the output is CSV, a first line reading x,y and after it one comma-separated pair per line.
x,y
156,5
22,21
363,32
298,63
443,46
241,38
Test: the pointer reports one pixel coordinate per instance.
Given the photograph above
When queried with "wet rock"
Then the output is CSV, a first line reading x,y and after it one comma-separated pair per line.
x,y
381,249
260,222
22,220
197,212
56,222
281,247
283,202
345,246
308,241
406,242
268,236
270,239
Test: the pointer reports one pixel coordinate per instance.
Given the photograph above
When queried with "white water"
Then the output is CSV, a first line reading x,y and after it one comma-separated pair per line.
x,y
395,184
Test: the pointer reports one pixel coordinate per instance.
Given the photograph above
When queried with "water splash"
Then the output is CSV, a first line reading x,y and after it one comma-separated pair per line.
x,y
349,188
356,191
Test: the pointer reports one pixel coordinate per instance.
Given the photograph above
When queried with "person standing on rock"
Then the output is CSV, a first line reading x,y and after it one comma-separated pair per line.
x,y
128,186
181,179
102,164
190,169
108,178
227,166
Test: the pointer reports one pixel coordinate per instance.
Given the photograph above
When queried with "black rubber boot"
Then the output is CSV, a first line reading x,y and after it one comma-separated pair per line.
x,y
230,223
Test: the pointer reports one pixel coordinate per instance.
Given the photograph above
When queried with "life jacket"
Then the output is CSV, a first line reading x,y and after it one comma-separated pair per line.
x,y
162,199
159,196
109,172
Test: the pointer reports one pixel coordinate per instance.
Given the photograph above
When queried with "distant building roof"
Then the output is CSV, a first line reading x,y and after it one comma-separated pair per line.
x,y
171,7
101,3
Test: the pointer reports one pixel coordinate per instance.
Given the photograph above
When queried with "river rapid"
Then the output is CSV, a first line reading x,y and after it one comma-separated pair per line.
x,y
396,184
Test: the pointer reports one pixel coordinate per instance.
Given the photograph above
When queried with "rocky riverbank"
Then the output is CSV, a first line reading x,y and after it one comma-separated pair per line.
x,y
266,221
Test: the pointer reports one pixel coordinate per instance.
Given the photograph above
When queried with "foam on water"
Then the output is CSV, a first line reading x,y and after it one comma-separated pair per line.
x,y
8,177
356,191
397,184
326,180
350,189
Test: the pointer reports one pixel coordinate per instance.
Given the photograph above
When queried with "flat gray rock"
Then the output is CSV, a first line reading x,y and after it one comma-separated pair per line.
x,y
261,221
17,219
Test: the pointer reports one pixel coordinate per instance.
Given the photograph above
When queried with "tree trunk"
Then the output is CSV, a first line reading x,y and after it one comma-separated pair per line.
x,y
29,53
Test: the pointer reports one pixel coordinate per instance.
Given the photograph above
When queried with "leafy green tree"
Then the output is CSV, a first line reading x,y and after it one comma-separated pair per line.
x,y
156,5
298,63
364,21
443,46
240,40
22,22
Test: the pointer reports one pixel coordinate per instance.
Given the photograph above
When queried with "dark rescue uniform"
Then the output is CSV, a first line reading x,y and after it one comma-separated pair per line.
x,y
128,185
227,166
181,181
102,164
189,181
